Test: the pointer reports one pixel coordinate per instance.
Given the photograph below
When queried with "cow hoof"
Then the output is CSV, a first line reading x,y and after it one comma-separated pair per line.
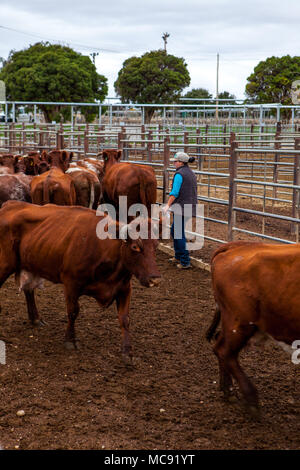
x,y
230,398
127,360
70,346
39,322
254,412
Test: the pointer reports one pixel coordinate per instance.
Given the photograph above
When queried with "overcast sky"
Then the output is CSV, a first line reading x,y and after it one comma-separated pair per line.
x,y
242,33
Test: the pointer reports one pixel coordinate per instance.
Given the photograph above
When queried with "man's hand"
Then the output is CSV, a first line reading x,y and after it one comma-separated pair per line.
x,y
165,209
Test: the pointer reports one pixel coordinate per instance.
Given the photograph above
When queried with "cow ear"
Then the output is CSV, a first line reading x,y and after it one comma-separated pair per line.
x,y
30,161
105,156
119,154
71,155
64,155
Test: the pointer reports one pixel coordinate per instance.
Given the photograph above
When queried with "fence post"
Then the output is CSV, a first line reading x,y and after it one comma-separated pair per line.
x,y
23,141
251,132
278,128
149,146
185,141
165,168
277,146
232,186
206,132
296,182
224,140
85,143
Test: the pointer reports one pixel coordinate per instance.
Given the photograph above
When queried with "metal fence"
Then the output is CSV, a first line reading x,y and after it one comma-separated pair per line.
x,y
248,180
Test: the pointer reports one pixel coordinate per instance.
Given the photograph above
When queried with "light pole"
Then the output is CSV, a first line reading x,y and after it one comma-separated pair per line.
x,y
94,54
165,39
217,89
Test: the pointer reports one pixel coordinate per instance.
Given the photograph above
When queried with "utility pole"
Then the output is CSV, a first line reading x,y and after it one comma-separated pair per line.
x,y
93,55
165,39
217,89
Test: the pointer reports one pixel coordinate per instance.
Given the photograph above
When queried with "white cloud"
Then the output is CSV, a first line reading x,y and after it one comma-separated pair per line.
x,y
243,33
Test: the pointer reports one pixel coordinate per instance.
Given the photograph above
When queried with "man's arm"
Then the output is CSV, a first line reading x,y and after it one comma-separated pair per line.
x,y
175,191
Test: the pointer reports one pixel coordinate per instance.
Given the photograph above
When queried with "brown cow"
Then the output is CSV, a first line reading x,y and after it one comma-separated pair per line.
x,y
94,165
59,158
256,288
15,187
87,187
53,187
137,182
60,244
14,183
7,163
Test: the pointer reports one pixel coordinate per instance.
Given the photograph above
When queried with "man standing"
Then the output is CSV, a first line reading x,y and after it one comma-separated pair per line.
x,y
184,191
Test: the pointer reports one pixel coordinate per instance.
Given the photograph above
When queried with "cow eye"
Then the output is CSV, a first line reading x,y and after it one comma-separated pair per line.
x,y
135,247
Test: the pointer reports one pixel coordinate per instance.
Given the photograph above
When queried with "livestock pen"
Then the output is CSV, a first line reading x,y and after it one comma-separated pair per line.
x,y
87,399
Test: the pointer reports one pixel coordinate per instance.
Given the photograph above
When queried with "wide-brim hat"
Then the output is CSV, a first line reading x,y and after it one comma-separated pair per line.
x,y
180,157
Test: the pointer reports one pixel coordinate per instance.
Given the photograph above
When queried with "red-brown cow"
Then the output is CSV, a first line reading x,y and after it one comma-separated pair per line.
x,y
15,187
256,288
59,158
60,244
87,186
7,163
94,165
53,187
137,182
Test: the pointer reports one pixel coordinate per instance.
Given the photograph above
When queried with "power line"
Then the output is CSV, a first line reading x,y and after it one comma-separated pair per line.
x,y
82,46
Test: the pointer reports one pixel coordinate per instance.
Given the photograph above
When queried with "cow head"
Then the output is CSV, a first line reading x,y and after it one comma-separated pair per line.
x,y
59,159
138,252
111,157
31,165
19,164
8,161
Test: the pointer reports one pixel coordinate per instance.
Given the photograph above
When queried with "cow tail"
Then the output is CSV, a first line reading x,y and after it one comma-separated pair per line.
x,y
72,194
215,322
46,191
92,195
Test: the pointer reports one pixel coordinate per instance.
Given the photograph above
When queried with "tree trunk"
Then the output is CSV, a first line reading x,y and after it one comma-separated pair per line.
x,y
149,114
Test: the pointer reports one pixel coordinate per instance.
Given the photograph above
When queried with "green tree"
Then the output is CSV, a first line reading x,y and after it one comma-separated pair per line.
x,y
50,72
225,95
156,77
272,79
198,93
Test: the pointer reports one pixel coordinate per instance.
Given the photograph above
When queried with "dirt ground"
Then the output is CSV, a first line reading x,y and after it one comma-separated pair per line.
x,y
169,399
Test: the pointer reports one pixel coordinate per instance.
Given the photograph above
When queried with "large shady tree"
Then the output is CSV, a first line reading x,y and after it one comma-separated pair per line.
x,y
271,80
51,72
155,77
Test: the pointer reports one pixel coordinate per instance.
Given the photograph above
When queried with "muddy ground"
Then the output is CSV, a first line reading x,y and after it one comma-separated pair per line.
x,y
169,399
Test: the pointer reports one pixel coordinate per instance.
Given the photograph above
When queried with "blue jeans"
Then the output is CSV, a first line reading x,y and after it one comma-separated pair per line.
x,y
181,253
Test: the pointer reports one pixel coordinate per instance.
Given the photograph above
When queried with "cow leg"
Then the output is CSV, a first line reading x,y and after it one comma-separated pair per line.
x,y
225,377
33,314
123,301
227,350
73,310
5,272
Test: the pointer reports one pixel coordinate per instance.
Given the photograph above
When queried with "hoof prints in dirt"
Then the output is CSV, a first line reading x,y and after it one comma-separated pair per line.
x,y
168,399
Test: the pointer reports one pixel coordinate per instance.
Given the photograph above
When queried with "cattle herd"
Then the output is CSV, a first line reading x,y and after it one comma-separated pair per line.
x,y
48,230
